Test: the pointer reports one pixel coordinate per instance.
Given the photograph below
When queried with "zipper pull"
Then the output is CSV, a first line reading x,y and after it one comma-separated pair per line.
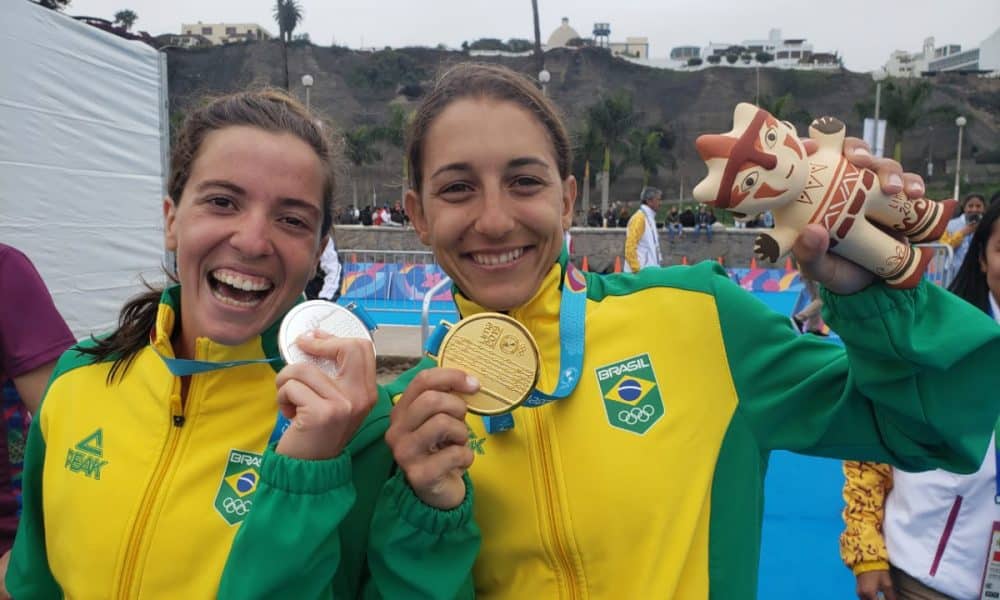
x,y
178,420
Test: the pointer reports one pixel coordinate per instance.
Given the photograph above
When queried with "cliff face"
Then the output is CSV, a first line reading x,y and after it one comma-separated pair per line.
x,y
356,88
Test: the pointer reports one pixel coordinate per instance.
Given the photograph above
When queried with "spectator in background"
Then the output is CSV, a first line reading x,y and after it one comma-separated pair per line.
x,y
623,215
704,221
365,216
397,215
32,337
687,218
960,230
673,224
383,215
642,240
928,535
326,284
594,218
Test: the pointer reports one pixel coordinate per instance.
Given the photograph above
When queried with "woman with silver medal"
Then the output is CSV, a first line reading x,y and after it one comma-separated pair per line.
x,y
179,457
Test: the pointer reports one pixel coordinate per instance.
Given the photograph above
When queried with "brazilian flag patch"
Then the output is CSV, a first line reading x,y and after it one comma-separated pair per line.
x,y
631,394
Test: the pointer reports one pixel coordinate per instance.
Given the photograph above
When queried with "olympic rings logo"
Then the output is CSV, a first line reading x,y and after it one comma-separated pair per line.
x,y
636,414
237,506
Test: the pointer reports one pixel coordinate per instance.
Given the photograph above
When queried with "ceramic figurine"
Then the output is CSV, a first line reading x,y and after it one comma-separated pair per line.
x,y
762,165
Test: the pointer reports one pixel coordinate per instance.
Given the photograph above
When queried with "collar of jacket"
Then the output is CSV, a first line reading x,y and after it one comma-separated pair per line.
x,y
168,317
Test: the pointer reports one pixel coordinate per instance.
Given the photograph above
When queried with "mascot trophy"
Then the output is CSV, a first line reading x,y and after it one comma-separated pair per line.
x,y
762,165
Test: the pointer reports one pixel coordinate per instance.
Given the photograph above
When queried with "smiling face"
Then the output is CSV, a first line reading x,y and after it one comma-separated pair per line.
x,y
758,166
492,205
246,232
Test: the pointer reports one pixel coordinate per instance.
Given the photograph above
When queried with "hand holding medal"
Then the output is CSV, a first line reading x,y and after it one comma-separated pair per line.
x,y
328,387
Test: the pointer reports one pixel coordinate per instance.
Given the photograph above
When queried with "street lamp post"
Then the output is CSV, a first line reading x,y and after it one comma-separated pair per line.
x,y
960,121
878,75
307,82
543,78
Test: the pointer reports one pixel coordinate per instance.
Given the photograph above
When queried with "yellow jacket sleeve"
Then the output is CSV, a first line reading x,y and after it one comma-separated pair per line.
x,y
953,238
636,228
862,545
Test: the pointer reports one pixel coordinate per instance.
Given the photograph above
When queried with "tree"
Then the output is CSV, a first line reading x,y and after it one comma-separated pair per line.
x,y
126,18
360,150
764,57
783,108
903,108
732,58
288,15
714,59
647,150
519,45
488,44
393,133
694,61
611,118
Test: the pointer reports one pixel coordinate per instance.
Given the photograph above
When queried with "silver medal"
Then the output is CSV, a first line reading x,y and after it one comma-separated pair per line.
x,y
325,316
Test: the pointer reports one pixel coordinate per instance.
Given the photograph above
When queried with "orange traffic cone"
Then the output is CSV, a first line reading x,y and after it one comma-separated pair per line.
x,y
788,265
753,263
684,260
584,266
618,264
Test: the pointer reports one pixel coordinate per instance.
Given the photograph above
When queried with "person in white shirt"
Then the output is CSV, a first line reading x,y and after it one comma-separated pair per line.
x,y
642,240
330,263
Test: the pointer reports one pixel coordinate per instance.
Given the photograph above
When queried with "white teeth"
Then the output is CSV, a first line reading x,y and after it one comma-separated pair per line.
x,y
498,259
234,302
242,283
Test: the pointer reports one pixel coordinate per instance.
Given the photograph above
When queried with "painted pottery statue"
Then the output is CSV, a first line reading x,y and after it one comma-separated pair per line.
x,y
762,165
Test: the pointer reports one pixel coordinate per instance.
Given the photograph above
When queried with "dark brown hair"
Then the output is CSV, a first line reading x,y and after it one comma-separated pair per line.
x,y
478,80
970,281
270,110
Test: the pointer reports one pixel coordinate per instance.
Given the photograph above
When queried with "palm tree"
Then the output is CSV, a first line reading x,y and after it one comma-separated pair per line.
x,y
126,18
359,147
611,119
648,150
288,15
393,133
903,108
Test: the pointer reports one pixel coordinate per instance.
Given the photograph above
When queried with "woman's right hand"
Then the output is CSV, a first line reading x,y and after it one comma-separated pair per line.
x,y
325,412
870,583
428,435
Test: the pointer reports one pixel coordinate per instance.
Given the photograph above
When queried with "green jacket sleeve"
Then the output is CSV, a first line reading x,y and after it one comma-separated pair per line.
x,y
419,552
289,544
914,388
28,575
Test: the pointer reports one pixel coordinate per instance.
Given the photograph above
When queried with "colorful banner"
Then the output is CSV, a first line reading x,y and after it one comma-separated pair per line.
x,y
388,281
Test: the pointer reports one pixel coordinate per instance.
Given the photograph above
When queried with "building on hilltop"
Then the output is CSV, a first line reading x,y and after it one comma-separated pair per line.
x,y
775,50
226,33
562,35
632,47
950,57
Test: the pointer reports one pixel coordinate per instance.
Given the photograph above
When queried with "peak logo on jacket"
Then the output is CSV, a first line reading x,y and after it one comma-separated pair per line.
x,y
631,394
87,456
239,483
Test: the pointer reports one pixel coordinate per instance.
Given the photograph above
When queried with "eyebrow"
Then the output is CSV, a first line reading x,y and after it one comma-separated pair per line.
x,y
522,161
295,202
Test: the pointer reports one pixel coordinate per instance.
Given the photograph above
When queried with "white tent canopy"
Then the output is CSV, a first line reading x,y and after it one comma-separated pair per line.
x,y
83,140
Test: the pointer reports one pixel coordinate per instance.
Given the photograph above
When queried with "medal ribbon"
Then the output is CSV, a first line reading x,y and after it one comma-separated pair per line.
x,y
572,313
183,367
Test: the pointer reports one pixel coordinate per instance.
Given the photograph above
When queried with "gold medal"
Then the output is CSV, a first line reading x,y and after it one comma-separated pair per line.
x,y
498,351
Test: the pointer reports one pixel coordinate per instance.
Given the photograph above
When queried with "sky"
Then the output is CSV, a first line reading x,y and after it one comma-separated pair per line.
x,y
863,32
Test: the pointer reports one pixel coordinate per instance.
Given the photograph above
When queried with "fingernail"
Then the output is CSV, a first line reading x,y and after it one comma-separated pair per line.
x,y
472,381
859,151
916,188
895,180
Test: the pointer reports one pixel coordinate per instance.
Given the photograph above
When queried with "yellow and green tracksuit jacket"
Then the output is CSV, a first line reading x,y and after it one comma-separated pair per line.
x,y
647,481
128,493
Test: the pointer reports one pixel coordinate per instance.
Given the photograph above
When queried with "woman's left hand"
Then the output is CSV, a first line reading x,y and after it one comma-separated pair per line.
x,y
325,412
834,272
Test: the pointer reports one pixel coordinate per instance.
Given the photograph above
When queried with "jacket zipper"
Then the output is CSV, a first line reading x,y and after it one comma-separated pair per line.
x,y
560,544
149,499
